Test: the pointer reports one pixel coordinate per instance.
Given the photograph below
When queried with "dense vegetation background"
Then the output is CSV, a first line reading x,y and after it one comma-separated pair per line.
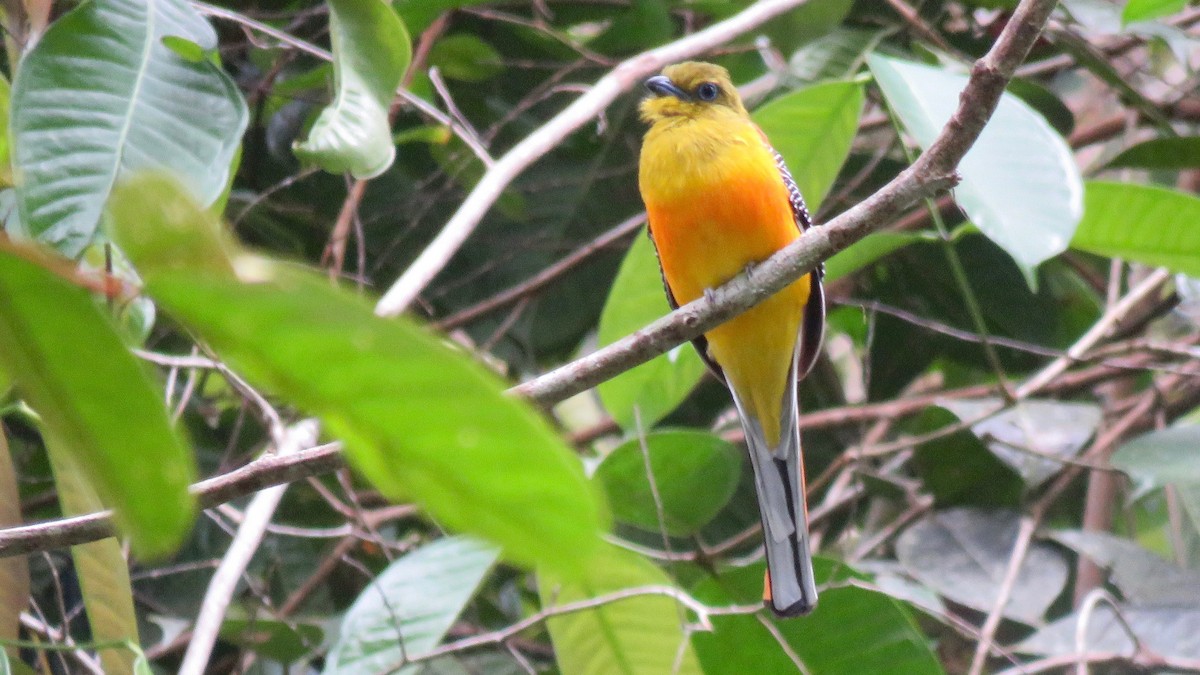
x,y
204,204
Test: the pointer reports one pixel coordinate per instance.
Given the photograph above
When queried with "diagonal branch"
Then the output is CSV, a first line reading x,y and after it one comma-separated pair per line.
x,y
934,170
534,146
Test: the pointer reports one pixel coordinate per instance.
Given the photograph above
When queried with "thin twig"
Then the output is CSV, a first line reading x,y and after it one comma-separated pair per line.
x,y
249,535
702,611
1016,559
264,472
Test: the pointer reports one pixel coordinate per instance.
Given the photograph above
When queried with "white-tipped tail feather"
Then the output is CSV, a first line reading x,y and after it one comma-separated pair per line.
x,y
779,481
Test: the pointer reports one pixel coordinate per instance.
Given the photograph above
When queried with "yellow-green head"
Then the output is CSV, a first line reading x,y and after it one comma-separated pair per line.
x,y
691,89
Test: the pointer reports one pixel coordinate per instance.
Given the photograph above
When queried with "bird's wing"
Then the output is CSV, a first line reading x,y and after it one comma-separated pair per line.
x,y
812,329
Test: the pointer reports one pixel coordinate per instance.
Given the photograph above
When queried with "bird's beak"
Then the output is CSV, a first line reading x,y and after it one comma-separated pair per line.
x,y
661,85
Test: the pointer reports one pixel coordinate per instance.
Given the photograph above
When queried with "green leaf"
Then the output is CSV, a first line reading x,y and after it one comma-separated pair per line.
x,y
1142,223
279,640
837,55
1164,456
1141,576
963,554
1020,185
371,51
466,58
1045,102
409,607
640,634
103,572
1022,432
695,473
852,630
1167,631
73,369
145,107
1171,154
866,251
813,129
656,387
418,418
1145,10
14,570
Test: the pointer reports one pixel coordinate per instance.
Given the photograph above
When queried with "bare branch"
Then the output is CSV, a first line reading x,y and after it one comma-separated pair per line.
x,y
534,146
262,473
933,171
249,535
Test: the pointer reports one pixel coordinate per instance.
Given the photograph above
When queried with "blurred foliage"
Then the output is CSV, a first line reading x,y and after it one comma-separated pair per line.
x,y
172,182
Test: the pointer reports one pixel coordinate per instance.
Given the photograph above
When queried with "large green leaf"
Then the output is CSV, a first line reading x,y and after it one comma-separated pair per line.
x,y
813,129
1160,153
1142,223
695,474
640,634
100,95
657,386
852,630
70,365
419,419
371,51
409,607
1020,185
103,572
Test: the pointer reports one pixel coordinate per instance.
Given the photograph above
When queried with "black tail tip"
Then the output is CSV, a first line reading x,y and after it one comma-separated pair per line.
x,y
798,608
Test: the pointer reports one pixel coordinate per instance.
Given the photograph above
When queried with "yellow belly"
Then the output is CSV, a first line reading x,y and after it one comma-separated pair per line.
x,y
714,209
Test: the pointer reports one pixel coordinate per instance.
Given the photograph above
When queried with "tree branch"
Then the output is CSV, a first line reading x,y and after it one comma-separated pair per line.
x,y
534,146
262,473
933,171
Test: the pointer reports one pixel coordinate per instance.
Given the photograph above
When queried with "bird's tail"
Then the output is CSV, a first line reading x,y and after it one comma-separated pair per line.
x,y
779,478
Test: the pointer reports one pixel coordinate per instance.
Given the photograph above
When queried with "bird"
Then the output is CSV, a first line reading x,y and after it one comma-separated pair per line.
x,y
719,200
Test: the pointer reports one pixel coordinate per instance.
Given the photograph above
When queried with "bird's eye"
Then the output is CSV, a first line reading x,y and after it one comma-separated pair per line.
x,y
707,92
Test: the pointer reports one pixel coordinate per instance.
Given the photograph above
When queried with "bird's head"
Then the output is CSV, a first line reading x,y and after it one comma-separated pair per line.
x,y
693,90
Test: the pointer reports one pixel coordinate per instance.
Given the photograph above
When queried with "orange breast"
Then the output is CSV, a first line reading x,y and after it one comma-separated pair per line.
x,y
715,208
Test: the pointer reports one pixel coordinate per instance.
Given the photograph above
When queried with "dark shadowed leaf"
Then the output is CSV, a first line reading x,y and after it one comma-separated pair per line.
x,y
1167,631
1164,456
409,607
1142,577
14,570
371,51
1142,223
1028,429
141,108
695,472
1020,185
852,630
866,251
1160,153
963,554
